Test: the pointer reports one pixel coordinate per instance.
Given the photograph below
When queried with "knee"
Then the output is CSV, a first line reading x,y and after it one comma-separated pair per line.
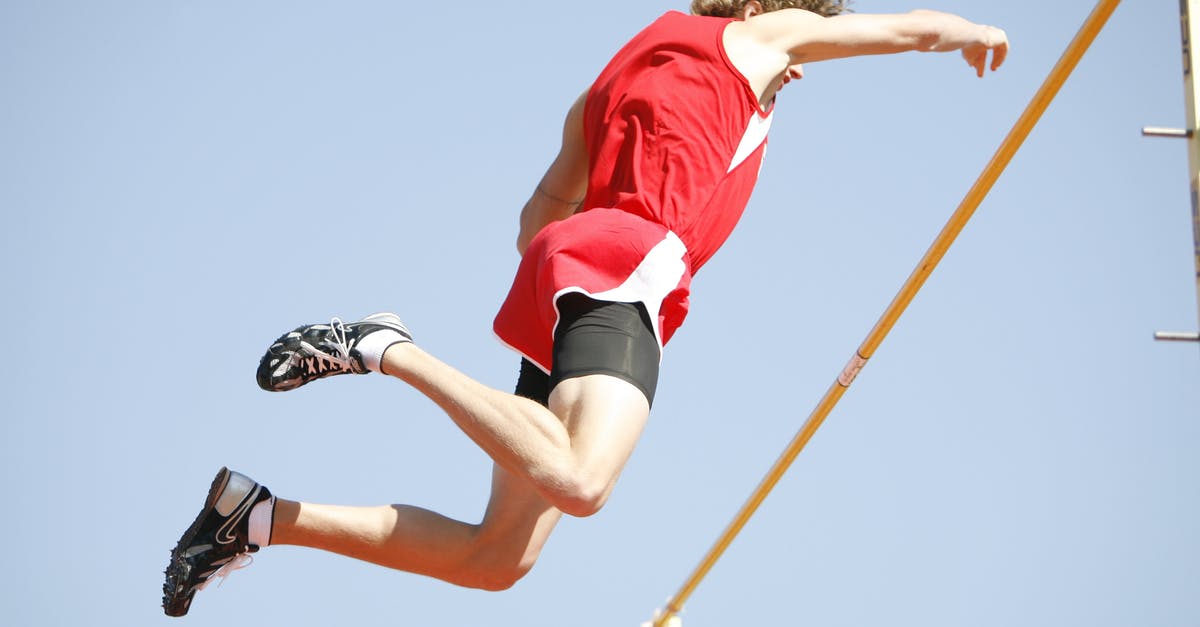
x,y
578,492
497,577
581,501
495,564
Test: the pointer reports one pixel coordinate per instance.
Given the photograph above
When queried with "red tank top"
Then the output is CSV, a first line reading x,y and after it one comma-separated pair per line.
x,y
675,134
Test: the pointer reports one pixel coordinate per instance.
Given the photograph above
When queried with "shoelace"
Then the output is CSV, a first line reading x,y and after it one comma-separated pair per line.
x,y
338,334
237,562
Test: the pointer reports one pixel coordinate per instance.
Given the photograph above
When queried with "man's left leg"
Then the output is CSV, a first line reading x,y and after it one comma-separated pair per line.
x,y
491,555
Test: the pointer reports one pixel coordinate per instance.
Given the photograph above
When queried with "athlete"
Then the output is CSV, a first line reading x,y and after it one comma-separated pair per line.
x,y
657,163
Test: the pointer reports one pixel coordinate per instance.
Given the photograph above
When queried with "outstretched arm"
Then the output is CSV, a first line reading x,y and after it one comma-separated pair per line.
x,y
562,188
765,45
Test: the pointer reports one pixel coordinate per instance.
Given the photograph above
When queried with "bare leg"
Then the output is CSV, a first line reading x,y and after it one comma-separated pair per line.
x,y
564,458
548,461
491,555
571,453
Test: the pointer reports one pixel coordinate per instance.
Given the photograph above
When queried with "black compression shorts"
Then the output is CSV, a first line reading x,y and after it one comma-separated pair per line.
x,y
597,337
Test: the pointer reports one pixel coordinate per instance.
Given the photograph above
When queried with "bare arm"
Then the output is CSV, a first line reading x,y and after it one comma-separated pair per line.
x,y
765,45
562,188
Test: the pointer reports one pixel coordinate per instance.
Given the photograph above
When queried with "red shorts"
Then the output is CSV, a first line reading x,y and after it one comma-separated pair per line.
x,y
607,254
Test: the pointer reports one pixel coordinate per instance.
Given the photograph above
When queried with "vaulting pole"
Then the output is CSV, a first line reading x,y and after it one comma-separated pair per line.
x,y
1020,131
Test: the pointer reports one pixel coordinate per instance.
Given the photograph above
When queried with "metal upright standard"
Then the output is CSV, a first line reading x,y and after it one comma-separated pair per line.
x,y
1008,148
1191,59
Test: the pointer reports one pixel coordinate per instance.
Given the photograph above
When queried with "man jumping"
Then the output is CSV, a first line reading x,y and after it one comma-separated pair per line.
x,y
657,163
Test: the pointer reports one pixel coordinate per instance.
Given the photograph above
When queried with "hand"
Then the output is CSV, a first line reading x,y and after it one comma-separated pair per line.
x,y
989,38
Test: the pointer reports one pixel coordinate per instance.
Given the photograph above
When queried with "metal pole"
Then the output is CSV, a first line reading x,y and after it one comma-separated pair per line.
x,y
1159,131
1020,131
1176,336
1190,87
1189,33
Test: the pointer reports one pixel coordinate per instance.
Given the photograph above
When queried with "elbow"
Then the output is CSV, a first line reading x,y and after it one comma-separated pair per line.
x,y
526,230
523,235
525,238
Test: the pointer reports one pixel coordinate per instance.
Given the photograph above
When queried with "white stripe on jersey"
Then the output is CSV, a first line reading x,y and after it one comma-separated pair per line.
x,y
756,134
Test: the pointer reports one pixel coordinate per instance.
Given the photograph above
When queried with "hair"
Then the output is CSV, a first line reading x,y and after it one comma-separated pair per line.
x,y
733,8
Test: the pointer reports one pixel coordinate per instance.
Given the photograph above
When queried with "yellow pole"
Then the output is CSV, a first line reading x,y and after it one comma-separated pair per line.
x,y
1020,131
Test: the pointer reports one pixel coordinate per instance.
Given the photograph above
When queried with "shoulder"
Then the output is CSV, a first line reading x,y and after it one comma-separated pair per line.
x,y
807,37
761,47
774,34
779,29
679,24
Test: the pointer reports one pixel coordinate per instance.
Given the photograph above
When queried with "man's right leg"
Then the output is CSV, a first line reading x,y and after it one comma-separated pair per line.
x,y
519,434
571,452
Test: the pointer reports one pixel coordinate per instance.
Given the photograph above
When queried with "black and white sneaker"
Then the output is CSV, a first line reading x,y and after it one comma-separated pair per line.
x,y
217,543
322,350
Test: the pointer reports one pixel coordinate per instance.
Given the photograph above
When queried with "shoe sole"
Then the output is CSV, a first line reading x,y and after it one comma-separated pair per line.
x,y
177,571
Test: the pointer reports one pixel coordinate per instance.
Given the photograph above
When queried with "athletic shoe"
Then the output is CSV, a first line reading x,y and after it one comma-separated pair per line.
x,y
217,543
321,350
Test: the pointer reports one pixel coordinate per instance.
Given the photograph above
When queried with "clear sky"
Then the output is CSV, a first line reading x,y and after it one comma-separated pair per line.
x,y
183,181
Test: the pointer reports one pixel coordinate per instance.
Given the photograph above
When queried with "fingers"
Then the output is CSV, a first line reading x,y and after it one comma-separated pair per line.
x,y
976,54
999,46
976,57
998,55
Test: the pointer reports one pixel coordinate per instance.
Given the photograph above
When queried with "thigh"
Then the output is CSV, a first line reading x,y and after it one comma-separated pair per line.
x,y
605,416
602,384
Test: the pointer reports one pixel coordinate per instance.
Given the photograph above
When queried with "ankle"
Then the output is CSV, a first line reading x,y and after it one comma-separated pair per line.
x,y
395,358
372,348
261,518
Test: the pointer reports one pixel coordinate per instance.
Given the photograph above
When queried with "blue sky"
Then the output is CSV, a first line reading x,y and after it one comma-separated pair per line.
x,y
181,182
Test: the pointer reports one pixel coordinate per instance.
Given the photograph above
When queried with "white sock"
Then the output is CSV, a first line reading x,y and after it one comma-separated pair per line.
x,y
261,517
373,345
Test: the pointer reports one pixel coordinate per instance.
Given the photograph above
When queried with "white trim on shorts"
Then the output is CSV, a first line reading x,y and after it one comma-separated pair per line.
x,y
656,276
